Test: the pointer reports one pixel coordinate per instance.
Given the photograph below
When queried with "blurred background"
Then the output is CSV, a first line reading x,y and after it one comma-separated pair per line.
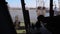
x,y
15,9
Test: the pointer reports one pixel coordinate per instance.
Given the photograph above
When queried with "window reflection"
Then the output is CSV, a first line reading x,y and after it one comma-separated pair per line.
x,y
56,7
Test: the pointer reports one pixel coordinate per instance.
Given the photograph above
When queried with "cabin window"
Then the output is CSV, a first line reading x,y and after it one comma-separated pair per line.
x,y
16,13
56,7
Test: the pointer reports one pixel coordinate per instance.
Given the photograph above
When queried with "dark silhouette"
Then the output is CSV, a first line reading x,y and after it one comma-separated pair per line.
x,y
51,8
53,25
26,17
6,24
38,24
33,26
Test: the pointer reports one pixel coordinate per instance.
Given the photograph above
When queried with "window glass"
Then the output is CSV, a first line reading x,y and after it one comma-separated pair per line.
x,y
16,13
56,7
32,6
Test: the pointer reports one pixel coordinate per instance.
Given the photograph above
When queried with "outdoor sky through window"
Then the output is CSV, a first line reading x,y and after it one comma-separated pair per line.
x,y
29,3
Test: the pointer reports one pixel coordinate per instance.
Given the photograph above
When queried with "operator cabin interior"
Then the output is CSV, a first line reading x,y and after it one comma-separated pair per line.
x,y
52,22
